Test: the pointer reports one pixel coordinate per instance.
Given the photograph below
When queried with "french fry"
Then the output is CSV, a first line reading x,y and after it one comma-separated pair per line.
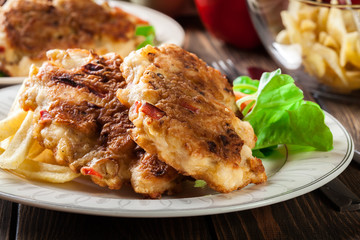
x,y
294,7
322,19
19,146
22,155
45,172
11,124
349,50
307,12
350,24
35,150
336,27
331,58
292,27
283,37
329,41
307,25
5,143
308,38
315,64
46,156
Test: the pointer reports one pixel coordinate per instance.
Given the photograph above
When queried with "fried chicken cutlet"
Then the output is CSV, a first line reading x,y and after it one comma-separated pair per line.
x,y
183,111
79,118
31,27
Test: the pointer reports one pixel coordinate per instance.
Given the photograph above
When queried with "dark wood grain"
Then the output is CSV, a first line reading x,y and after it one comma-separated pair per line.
x,y
211,49
309,216
38,223
5,219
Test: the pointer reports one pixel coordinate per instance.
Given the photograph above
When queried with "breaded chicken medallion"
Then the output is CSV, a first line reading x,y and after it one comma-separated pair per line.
x,y
183,111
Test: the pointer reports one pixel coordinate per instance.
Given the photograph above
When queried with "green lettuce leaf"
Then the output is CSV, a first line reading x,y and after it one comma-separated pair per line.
x,y
264,152
148,32
245,85
281,116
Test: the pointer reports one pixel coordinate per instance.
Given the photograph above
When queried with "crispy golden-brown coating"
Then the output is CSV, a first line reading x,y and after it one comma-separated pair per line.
x,y
80,119
73,99
152,177
183,111
31,27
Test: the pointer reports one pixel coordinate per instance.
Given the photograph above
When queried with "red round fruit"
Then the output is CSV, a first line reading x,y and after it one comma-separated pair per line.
x,y
228,20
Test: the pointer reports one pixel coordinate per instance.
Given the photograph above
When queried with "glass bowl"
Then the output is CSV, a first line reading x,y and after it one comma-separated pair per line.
x,y
318,43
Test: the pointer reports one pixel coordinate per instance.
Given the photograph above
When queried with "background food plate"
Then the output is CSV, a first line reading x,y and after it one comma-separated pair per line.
x,y
167,29
299,174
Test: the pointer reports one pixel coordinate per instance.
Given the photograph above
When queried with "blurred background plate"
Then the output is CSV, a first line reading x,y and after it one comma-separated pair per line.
x,y
167,29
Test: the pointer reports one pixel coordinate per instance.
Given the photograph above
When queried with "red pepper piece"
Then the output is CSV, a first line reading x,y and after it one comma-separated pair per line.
x,y
152,111
90,171
137,106
189,106
45,116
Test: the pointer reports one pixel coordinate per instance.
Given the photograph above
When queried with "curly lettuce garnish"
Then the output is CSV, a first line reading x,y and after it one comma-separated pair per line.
x,y
148,32
276,109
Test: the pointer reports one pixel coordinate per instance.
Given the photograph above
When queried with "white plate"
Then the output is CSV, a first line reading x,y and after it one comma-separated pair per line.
x,y
167,29
11,80
300,174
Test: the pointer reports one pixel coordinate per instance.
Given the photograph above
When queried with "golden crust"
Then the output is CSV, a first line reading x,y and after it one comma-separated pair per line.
x,y
79,118
183,111
152,177
73,98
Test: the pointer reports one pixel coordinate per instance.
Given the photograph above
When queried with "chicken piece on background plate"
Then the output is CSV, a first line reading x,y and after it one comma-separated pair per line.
x,y
31,27
79,118
183,111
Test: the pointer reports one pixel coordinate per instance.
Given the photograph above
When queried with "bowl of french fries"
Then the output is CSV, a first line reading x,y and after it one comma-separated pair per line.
x,y
317,41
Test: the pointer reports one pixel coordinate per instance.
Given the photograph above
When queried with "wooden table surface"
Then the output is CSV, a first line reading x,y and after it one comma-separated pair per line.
x,y
310,216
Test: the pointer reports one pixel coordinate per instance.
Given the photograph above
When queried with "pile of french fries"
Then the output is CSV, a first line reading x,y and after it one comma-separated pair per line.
x,y
329,40
21,154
